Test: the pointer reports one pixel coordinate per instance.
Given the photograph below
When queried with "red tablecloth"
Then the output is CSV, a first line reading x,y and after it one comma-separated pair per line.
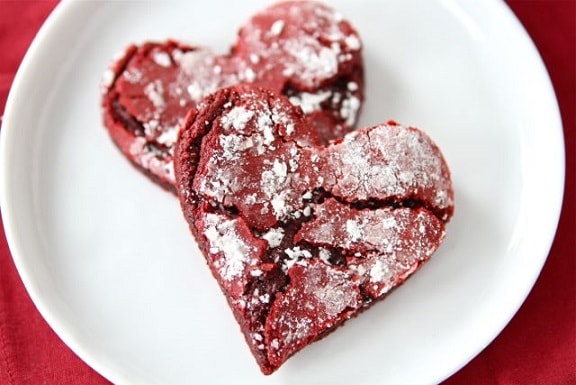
x,y
537,347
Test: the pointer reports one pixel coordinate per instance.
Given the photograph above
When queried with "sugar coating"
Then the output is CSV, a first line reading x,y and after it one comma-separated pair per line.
x,y
383,162
339,225
266,189
300,48
277,27
314,41
316,299
274,237
310,102
155,92
149,159
162,59
295,255
388,161
390,242
223,239
233,254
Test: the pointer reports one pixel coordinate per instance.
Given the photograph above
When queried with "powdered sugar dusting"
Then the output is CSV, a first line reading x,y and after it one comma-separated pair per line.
x,y
391,242
249,75
251,133
233,145
310,102
323,255
277,27
307,42
274,237
311,38
350,108
191,60
237,118
162,59
335,301
382,229
221,183
295,255
132,75
154,91
168,137
354,230
274,184
148,157
353,42
380,271
223,239
309,62
389,161
318,297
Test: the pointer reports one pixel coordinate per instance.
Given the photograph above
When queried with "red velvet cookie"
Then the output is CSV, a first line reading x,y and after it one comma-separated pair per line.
x,y
302,237
302,49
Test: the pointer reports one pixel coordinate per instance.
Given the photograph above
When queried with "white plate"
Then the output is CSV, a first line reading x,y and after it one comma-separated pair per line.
x,y
107,257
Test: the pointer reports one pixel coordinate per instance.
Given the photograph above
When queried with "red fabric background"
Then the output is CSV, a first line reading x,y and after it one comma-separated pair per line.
x,y
537,347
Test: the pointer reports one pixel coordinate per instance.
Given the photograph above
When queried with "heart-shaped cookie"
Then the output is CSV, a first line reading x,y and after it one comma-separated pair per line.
x,y
302,49
302,237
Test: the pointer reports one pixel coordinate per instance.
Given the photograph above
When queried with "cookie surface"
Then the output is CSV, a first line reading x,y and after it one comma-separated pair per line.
x,y
302,49
300,236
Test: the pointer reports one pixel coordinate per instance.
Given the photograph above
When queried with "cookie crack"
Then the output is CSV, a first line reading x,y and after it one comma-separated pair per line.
x,y
120,114
321,194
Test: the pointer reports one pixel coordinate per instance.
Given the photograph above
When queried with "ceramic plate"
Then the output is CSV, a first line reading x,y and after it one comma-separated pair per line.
x,y
107,256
